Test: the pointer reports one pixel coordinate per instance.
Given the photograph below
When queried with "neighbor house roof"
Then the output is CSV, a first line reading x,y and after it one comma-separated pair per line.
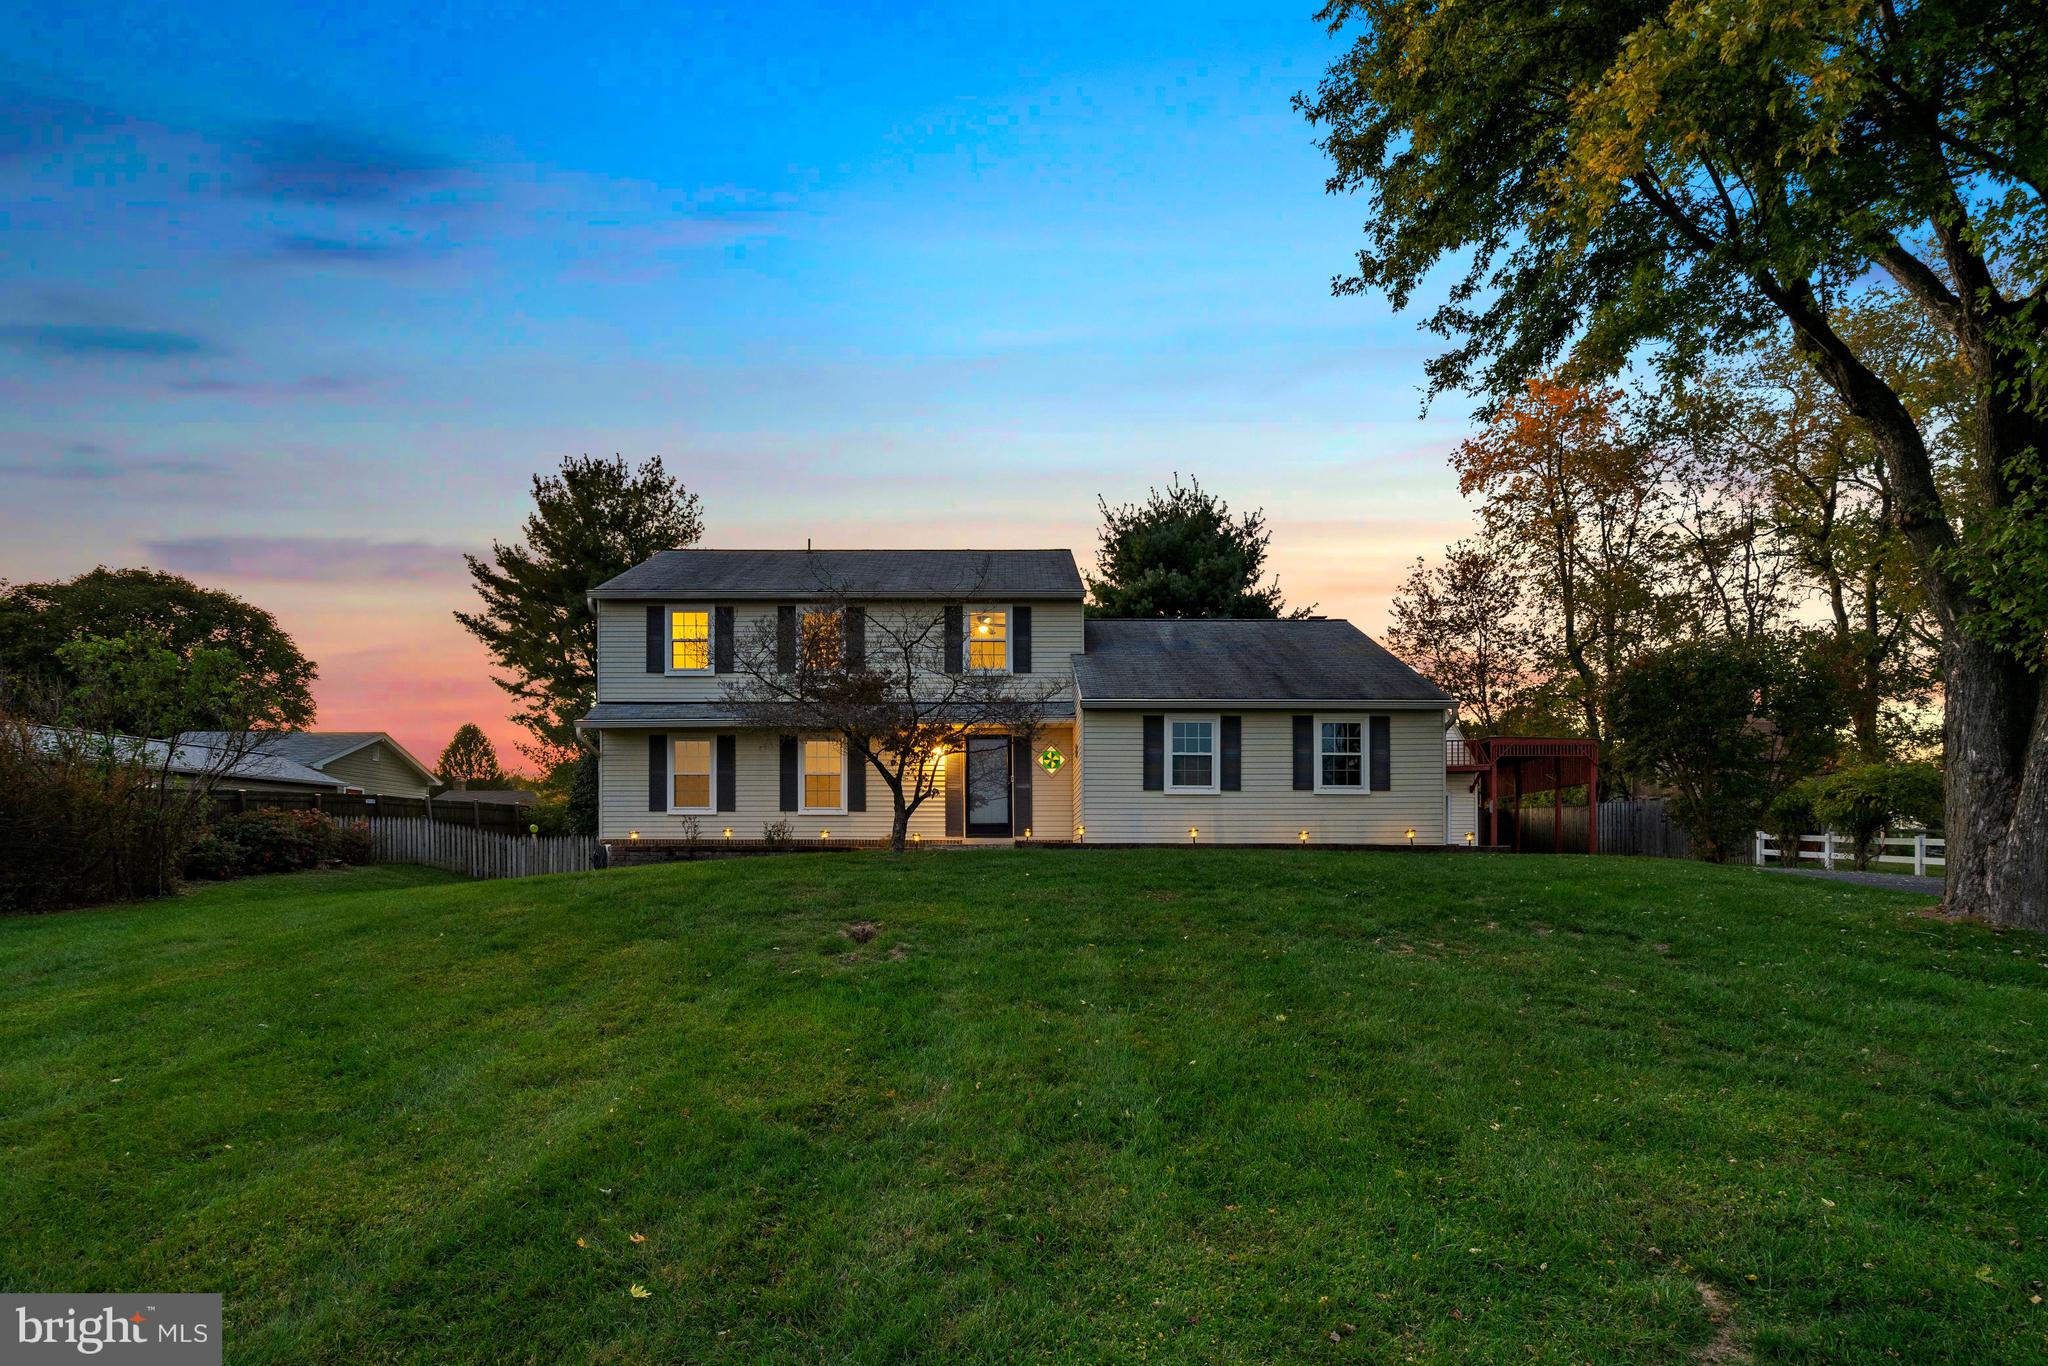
x,y
1245,662
651,715
193,756
315,748
963,574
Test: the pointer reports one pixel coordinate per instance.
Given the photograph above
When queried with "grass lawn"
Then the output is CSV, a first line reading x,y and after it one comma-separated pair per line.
x,y
1091,1105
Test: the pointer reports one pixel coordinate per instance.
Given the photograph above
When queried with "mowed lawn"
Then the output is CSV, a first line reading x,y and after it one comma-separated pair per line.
x,y
1078,1105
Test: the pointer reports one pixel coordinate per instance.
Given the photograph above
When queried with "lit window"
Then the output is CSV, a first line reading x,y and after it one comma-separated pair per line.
x,y
988,640
690,770
824,775
1193,757
1343,754
821,639
689,640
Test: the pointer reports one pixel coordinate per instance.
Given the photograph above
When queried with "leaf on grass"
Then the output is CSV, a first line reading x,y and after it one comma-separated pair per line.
x,y
639,1237
638,1291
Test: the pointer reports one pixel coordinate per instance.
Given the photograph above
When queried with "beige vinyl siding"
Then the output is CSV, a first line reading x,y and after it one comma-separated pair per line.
x,y
622,646
622,795
375,769
1463,804
1115,808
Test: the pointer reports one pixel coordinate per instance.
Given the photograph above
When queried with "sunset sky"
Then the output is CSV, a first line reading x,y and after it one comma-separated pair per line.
x,y
295,302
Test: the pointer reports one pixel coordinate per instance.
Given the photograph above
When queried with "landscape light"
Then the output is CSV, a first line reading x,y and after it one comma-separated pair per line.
x,y
824,834
917,838
1304,837
1470,838
1411,836
728,832
1027,832
1079,831
632,834
1192,832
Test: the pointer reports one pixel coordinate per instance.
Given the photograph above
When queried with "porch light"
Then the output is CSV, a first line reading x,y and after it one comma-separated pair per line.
x,y
1411,836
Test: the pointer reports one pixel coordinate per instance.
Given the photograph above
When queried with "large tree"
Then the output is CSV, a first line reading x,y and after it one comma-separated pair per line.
x,y
1618,179
1461,625
1181,553
1563,478
470,761
38,621
591,519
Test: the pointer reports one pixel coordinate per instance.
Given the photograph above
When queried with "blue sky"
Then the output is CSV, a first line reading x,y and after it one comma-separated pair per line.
x,y
296,301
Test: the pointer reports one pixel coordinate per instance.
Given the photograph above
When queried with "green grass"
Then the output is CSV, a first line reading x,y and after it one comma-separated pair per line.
x,y
1091,1105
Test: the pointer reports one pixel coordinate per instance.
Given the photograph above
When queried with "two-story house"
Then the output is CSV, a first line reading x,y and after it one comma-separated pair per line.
x,y
1145,731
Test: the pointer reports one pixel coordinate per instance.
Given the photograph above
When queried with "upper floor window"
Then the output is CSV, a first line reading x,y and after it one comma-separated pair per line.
x,y
822,638
1192,756
824,775
689,640
988,639
1342,761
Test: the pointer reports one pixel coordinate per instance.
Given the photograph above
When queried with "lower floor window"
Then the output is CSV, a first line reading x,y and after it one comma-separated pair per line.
x,y
824,775
1343,754
1194,756
690,772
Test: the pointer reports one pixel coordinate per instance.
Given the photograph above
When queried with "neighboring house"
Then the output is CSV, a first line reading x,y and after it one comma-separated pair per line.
x,y
365,761
1237,731
491,796
259,770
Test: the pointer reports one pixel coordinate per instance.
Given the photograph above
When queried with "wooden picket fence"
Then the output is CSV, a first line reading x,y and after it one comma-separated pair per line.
x,y
477,853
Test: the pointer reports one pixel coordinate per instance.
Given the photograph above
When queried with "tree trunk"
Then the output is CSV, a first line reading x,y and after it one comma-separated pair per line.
x,y
1996,734
899,826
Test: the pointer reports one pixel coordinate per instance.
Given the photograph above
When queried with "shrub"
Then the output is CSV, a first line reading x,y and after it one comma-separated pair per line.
x,y
246,843
1790,817
775,833
79,825
1862,802
582,805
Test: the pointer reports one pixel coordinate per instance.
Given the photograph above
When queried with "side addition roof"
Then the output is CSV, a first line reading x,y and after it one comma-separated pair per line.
x,y
314,748
1243,662
958,574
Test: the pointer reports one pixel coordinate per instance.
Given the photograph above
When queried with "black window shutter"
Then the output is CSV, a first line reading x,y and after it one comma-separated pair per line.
x,y
1020,784
657,644
721,639
1304,753
856,779
785,639
657,773
1380,729
1155,753
1020,639
788,773
728,773
856,637
953,637
956,793
1233,754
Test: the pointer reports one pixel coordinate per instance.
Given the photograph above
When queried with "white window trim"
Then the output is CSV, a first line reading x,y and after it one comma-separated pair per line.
x,y
803,776
1215,783
1364,787
712,788
1009,639
668,644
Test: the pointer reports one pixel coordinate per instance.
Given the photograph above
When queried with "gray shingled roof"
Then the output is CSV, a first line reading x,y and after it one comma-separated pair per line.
x,y
711,713
194,756
1242,661
312,747
855,573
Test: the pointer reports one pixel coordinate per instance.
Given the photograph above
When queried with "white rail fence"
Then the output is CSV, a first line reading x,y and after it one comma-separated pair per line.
x,y
1894,853
477,853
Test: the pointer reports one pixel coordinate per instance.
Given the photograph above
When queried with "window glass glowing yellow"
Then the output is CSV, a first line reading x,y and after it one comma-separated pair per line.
x,y
823,762
988,643
690,640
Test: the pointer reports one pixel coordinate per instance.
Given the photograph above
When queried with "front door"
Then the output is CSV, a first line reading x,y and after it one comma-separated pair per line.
x,y
988,785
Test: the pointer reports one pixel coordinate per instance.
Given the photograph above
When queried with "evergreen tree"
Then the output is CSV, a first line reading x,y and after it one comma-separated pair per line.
x,y
591,520
470,761
1181,553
